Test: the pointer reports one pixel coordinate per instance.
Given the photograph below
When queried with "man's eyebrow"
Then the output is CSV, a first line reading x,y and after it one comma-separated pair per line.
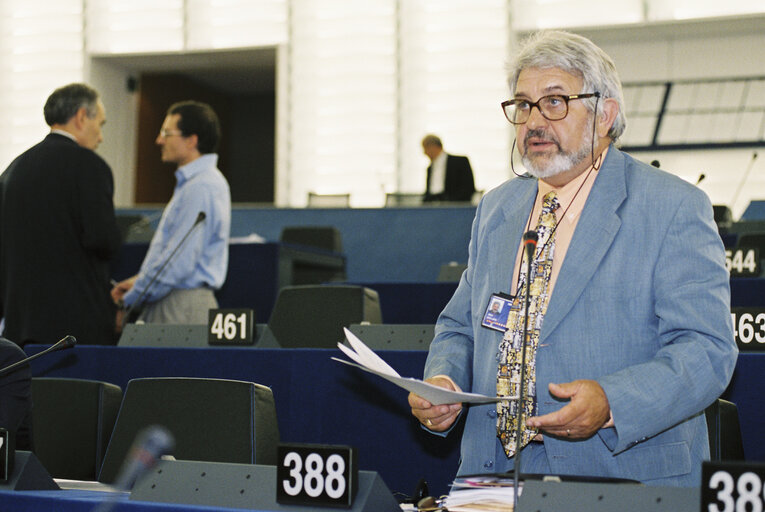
x,y
555,88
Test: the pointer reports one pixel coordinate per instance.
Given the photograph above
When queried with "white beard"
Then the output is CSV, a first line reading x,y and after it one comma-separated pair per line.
x,y
559,162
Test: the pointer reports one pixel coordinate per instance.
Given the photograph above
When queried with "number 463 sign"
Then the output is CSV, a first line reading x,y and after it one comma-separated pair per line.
x,y
749,328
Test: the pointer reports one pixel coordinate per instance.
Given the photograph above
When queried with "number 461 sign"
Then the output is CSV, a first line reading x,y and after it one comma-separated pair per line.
x,y
230,327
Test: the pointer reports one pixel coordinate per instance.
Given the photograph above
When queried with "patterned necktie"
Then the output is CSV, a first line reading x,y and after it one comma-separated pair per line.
x,y
509,373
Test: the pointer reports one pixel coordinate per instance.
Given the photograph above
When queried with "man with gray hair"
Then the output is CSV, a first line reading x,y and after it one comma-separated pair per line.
x,y
619,331
449,177
58,230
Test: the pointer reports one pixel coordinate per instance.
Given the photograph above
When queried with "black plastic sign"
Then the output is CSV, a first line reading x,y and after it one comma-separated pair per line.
x,y
310,475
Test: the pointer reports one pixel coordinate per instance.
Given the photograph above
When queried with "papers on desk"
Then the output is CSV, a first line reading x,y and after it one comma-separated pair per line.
x,y
252,238
481,493
370,362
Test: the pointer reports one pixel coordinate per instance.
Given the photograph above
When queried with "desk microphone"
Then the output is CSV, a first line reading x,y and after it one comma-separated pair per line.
x,y
64,343
530,239
200,218
149,446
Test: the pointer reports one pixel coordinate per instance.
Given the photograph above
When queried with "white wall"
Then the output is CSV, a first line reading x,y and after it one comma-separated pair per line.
x,y
694,50
119,147
386,151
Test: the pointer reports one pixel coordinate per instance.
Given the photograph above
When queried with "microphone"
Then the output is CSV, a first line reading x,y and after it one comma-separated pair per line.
x,y
62,344
701,178
530,239
149,446
201,216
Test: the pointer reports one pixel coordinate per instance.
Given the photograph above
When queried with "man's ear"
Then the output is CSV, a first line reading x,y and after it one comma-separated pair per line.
x,y
80,116
193,141
608,112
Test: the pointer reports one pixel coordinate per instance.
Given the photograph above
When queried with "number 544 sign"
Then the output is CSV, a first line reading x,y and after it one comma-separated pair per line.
x,y
743,261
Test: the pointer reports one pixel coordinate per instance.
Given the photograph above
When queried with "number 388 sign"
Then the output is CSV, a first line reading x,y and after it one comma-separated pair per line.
x,y
316,475
732,487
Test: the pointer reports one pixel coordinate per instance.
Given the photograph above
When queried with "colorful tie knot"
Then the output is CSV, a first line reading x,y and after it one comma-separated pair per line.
x,y
550,201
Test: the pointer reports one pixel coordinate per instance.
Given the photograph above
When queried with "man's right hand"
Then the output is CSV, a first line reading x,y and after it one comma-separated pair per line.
x,y
120,289
437,418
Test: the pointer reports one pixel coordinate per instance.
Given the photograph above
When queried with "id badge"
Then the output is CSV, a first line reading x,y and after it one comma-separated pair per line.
x,y
497,312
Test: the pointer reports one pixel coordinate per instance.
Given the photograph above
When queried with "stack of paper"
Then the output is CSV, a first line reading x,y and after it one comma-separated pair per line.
x,y
481,493
369,361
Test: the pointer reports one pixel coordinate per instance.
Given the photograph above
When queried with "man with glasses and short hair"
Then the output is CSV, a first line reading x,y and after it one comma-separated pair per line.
x,y
188,256
58,231
626,336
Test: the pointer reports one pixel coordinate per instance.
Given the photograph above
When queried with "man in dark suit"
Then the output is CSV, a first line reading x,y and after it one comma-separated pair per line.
x,y
58,231
450,177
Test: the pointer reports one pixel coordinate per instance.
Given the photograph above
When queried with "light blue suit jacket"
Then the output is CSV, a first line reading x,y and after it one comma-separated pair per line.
x,y
641,304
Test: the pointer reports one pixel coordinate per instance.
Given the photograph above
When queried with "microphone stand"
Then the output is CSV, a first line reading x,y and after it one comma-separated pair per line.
x,y
66,342
200,217
530,244
743,180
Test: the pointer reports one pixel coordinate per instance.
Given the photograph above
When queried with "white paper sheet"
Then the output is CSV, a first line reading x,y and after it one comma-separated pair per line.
x,y
367,360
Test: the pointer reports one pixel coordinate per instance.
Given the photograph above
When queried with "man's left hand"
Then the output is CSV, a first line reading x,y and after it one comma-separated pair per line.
x,y
587,411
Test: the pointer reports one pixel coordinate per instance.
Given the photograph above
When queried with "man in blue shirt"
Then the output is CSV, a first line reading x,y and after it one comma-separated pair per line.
x,y
178,288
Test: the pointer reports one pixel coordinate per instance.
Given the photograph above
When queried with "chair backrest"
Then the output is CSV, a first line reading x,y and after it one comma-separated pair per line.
x,y
329,200
451,272
323,237
395,336
72,421
754,240
723,217
725,441
314,316
212,420
402,199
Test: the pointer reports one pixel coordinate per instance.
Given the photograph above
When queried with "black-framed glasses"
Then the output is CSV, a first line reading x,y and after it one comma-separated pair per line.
x,y
553,107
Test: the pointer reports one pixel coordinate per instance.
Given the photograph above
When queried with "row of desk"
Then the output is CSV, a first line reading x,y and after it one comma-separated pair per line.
x,y
321,401
258,270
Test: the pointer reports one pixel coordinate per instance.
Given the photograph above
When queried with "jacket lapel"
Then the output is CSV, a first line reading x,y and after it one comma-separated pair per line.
x,y
594,235
504,235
